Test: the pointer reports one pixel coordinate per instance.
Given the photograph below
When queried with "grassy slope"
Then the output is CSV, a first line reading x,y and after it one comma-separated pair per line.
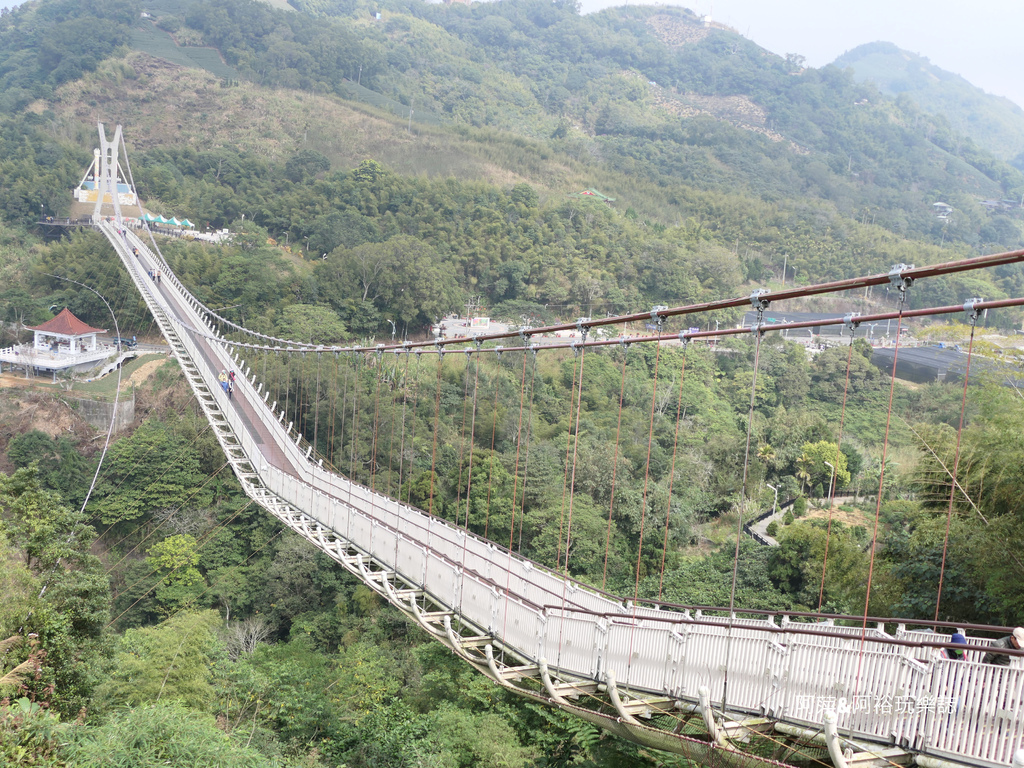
x,y
162,104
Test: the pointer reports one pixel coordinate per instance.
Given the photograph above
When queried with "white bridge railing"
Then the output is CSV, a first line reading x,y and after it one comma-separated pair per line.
x,y
880,690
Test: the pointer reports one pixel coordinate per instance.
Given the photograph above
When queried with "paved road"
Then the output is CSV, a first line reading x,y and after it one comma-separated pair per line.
x,y
761,527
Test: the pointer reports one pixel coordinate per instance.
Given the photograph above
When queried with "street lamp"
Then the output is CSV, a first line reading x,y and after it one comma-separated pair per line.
x,y
775,503
394,330
831,479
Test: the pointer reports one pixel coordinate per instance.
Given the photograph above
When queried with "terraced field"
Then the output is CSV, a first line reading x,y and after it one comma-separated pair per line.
x,y
148,39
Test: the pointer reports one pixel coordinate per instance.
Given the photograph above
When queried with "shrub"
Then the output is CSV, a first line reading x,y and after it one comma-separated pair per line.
x,y
799,506
788,518
772,529
169,24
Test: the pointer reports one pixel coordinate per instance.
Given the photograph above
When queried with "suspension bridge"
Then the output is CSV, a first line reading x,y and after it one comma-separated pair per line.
x,y
719,685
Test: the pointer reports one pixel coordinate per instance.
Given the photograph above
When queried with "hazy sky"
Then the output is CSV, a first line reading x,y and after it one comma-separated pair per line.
x,y
980,41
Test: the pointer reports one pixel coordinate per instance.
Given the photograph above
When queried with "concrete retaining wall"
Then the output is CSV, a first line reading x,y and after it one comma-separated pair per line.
x,y
99,413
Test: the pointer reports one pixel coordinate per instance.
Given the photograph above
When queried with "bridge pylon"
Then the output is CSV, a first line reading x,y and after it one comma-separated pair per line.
x,y
105,182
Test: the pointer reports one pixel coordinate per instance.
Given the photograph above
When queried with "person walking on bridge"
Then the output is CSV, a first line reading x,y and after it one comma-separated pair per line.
x,y
1013,642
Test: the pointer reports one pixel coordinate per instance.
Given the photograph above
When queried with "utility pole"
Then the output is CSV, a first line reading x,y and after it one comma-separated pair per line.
x,y
784,260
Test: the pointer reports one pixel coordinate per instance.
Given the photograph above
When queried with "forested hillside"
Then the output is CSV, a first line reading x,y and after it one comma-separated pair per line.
x,y
378,171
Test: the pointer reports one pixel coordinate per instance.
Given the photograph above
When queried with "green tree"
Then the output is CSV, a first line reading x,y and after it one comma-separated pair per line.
x,y
156,467
814,460
174,562
169,662
311,324
55,589
306,164
795,566
161,733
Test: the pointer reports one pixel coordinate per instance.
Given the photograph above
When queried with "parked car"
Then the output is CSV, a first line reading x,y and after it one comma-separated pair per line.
x,y
121,341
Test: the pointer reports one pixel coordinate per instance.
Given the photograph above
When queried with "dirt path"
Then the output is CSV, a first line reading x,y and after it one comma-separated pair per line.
x,y
140,374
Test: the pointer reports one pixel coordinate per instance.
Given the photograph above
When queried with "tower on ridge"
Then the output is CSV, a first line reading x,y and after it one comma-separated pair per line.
x,y
105,182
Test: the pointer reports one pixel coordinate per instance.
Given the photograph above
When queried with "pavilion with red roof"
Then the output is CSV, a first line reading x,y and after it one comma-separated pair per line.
x,y
61,343
65,334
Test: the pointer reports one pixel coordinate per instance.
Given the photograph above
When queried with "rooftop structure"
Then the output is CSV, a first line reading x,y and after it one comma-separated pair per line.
x,y
595,193
942,363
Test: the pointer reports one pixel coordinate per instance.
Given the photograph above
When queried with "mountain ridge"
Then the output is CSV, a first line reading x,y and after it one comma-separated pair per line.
x,y
994,122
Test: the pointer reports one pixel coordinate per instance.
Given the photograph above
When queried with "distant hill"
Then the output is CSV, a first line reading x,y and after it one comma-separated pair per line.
x,y
994,122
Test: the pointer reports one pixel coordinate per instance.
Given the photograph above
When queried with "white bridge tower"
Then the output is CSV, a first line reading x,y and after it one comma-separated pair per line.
x,y
105,181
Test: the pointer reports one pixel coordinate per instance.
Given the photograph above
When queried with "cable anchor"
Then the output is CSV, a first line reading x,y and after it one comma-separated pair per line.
x,y
657,317
760,304
972,311
900,282
850,321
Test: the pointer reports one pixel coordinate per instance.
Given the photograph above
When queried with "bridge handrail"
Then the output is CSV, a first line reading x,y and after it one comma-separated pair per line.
x,y
871,634
682,650
833,616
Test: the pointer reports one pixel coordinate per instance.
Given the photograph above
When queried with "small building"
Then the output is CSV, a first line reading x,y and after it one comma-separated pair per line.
x,y
595,193
63,343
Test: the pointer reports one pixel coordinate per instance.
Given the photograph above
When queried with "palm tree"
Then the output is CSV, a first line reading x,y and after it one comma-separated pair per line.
x,y
803,472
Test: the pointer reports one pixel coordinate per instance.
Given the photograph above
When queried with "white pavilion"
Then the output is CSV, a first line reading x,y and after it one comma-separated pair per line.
x,y
59,344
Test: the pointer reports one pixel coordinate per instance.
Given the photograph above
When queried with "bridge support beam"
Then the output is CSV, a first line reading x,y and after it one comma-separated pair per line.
x,y
835,746
855,753
704,704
